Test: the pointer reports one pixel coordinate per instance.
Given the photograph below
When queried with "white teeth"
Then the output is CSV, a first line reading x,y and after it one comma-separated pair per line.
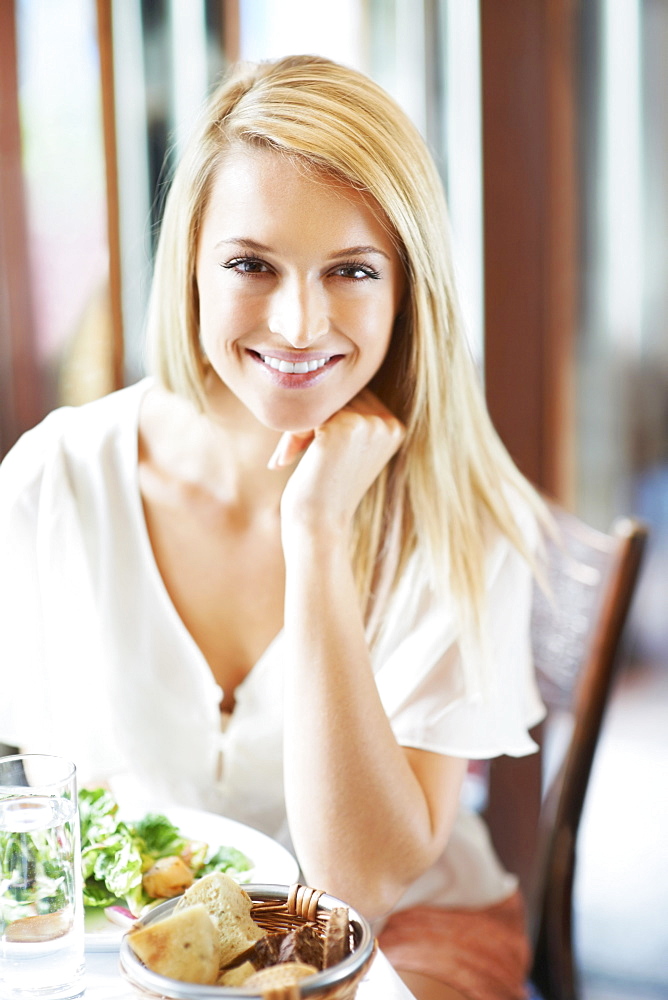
x,y
298,368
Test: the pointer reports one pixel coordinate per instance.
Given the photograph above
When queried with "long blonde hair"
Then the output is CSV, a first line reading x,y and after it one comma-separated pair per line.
x,y
451,480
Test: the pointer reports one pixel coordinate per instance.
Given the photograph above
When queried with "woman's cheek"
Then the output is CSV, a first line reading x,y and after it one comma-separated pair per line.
x,y
224,322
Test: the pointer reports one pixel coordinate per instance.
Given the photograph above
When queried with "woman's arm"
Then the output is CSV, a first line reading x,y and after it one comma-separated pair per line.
x,y
366,816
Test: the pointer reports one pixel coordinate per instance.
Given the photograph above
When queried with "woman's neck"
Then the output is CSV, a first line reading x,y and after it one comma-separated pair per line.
x,y
223,450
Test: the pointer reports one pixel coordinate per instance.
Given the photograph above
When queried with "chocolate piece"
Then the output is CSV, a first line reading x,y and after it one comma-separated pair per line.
x,y
303,944
337,938
267,950
263,953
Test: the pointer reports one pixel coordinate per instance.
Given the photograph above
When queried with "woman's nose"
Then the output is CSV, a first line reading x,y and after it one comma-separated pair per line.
x,y
299,314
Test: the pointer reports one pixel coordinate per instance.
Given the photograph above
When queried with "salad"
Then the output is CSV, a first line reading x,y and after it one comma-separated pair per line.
x,y
131,866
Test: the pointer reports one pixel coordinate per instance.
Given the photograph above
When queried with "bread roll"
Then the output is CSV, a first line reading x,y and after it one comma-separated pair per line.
x,y
236,976
229,907
275,976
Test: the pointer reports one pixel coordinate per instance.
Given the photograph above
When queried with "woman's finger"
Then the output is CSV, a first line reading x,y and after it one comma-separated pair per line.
x,y
291,444
288,448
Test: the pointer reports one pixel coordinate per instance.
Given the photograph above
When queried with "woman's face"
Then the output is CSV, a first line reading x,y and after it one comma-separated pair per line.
x,y
299,287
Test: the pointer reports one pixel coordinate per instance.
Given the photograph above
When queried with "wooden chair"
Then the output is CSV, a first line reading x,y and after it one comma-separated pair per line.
x,y
535,803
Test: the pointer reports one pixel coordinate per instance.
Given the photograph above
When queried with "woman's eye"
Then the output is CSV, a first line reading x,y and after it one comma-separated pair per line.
x,y
356,271
247,265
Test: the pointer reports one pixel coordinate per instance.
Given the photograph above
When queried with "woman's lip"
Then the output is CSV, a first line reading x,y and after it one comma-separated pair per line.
x,y
293,357
320,365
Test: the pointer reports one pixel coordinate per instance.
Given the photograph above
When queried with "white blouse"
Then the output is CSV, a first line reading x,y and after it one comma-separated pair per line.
x,y
96,664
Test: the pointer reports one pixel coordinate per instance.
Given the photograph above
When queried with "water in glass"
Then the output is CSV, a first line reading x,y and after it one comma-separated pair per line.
x,y
41,937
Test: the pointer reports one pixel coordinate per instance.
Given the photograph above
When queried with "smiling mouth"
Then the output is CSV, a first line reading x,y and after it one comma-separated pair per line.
x,y
293,368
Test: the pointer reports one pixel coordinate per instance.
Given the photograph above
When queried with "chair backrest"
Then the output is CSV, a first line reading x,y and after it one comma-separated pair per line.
x,y
535,803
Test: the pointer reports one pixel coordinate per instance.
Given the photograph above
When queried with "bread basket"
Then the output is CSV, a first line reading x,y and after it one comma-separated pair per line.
x,y
275,908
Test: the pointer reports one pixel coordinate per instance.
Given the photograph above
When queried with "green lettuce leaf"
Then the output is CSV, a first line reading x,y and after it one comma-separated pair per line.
x,y
226,859
115,854
161,838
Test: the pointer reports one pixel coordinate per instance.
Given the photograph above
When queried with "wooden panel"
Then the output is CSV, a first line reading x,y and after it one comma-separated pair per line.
x,y
21,384
105,41
530,217
529,94
231,40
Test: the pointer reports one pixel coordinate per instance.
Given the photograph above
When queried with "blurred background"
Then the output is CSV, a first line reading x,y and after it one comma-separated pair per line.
x,y
549,122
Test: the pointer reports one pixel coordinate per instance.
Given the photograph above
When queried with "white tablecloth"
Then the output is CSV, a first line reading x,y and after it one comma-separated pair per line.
x,y
104,982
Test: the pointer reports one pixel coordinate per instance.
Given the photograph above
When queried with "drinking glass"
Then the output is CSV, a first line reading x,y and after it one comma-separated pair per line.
x,y
41,901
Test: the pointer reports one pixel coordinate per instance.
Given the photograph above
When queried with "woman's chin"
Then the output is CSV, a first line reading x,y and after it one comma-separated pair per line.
x,y
294,416
294,423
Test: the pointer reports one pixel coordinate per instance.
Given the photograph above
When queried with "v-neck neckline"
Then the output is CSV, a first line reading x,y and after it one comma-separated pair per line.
x,y
157,582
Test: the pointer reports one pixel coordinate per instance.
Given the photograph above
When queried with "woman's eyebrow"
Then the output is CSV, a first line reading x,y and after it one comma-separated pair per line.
x,y
242,241
358,251
248,244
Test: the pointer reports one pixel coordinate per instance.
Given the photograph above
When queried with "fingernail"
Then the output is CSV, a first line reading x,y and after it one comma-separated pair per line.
x,y
275,460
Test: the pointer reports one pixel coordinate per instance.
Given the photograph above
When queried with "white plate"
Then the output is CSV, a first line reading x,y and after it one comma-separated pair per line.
x,y
273,864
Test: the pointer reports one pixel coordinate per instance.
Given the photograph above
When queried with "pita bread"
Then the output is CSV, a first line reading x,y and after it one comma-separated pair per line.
x,y
183,946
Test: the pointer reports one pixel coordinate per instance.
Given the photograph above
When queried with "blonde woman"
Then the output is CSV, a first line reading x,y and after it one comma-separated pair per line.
x,y
289,573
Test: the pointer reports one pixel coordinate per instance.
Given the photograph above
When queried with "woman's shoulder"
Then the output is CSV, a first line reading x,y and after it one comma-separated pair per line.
x,y
67,433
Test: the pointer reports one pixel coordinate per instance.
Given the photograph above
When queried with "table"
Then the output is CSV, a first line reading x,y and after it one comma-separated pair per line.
x,y
104,982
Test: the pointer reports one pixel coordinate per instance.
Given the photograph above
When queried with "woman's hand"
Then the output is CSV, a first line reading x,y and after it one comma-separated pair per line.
x,y
339,462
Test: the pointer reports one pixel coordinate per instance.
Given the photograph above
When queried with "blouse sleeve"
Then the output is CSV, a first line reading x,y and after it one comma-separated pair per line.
x,y
54,699
423,668
21,635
